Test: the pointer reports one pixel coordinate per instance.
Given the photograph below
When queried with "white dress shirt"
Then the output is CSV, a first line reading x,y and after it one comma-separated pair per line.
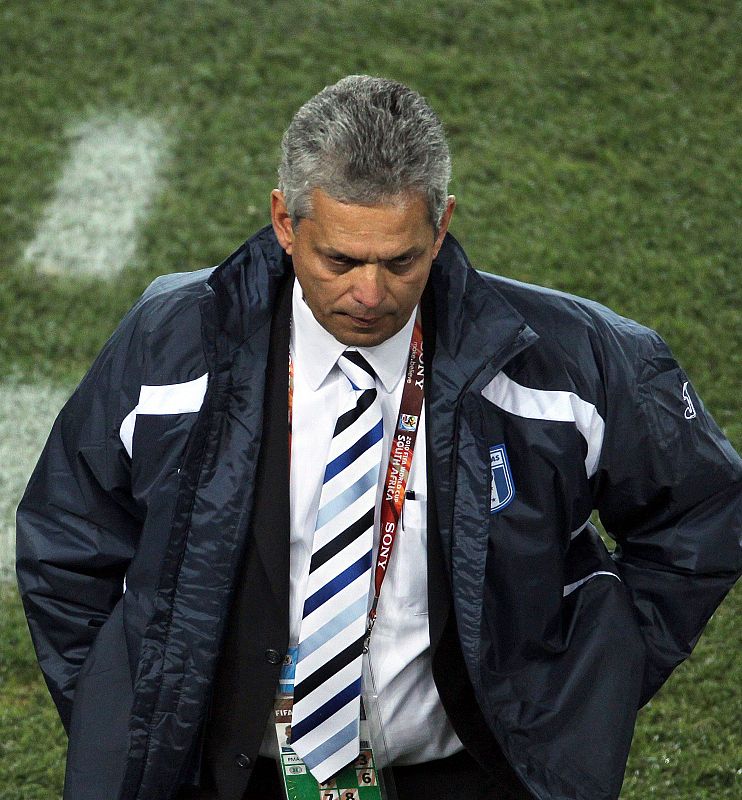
x,y
415,724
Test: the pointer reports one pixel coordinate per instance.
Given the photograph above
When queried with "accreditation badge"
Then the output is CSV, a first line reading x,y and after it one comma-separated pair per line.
x,y
359,780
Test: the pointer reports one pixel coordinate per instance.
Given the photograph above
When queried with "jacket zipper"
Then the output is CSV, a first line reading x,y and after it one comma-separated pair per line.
x,y
517,344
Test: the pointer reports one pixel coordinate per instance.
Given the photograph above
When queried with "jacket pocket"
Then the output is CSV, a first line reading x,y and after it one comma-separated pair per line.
x,y
99,730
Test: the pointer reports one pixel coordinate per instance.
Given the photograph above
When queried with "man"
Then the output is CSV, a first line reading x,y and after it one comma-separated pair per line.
x,y
173,539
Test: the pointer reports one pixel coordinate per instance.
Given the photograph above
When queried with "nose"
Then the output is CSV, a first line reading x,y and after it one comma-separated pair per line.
x,y
369,287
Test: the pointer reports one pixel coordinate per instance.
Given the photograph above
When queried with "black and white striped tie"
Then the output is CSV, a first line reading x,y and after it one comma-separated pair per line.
x,y
325,721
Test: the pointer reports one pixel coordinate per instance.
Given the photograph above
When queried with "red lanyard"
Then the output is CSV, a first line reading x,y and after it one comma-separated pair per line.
x,y
400,459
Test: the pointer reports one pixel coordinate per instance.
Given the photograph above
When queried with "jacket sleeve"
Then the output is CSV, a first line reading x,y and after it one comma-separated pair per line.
x,y
669,491
77,524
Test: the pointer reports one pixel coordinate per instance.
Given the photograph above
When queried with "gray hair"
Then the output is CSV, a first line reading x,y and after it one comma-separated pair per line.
x,y
365,141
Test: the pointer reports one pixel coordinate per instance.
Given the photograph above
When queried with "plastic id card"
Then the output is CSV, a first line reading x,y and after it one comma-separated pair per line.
x,y
359,780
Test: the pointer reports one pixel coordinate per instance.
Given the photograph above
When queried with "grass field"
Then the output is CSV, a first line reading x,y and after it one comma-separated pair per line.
x,y
596,149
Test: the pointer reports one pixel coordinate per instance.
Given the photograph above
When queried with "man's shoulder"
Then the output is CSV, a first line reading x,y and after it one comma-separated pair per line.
x,y
581,345
170,305
563,320
159,341
544,306
549,312
175,288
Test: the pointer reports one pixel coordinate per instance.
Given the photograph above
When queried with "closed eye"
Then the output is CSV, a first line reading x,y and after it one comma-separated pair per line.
x,y
343,261
399,263
402,261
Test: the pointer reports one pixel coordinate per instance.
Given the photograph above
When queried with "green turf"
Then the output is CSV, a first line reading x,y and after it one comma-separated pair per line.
x,y
32,741
26,415
596,149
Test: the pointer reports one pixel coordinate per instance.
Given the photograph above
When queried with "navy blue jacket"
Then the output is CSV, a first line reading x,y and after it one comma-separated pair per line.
x,y
542,408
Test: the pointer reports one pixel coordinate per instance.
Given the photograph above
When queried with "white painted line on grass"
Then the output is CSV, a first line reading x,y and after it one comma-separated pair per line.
x,y
106,187
27,413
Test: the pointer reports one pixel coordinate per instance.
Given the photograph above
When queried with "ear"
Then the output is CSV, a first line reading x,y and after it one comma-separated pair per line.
x,y
281,219
445,221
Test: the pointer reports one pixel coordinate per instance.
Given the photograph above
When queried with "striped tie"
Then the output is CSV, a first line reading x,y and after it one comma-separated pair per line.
x,y
325,723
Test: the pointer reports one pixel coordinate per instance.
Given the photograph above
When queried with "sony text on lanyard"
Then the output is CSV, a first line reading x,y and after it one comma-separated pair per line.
x,y
400,459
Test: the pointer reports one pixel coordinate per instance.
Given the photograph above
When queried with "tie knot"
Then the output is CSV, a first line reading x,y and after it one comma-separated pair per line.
x,y
358,371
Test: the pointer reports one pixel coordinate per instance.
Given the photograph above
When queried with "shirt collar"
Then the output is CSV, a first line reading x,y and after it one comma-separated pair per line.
x,y
317,350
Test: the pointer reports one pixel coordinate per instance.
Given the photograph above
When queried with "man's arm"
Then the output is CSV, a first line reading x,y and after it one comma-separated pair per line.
x,y
669,490
77,524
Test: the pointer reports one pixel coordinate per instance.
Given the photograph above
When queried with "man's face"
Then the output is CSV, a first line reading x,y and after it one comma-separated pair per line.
x,y
362,269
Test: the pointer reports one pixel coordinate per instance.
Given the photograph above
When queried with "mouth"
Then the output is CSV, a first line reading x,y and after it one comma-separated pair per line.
x,y
363,322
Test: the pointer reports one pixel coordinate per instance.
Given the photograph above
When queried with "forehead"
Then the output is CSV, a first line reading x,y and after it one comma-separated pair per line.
x,y
382,230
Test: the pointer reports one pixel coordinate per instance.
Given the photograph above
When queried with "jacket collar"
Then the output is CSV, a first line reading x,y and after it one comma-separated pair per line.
x,y
475,325
472,333
245,286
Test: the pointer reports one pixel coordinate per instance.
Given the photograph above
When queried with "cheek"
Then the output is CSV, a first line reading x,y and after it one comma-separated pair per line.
x,y
409,295
322,295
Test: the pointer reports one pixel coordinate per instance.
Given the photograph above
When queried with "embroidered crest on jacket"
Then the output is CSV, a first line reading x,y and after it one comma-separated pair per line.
x,y
502,487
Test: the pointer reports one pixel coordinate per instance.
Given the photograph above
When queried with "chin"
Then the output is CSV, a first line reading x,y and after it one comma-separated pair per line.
x,y
362,338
